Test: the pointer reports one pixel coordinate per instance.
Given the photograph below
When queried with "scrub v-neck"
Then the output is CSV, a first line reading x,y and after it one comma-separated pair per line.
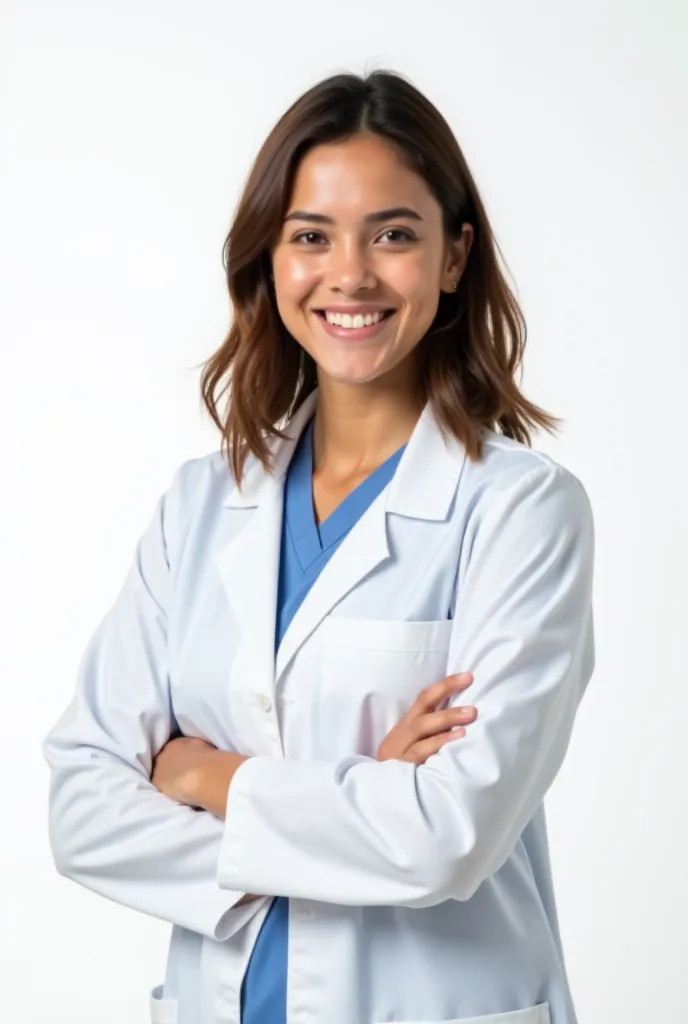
x,y
311,540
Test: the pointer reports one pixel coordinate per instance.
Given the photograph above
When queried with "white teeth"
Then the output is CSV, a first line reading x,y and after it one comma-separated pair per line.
x,y
357,321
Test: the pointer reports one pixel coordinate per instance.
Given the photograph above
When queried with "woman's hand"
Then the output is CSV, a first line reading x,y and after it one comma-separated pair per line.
x,y
176,767
194,772
424,729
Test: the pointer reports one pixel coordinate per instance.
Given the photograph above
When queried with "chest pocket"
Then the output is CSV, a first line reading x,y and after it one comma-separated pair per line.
x,y
373,670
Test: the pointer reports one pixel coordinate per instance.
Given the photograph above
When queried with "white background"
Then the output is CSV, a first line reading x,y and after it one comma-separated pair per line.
x,y
126,132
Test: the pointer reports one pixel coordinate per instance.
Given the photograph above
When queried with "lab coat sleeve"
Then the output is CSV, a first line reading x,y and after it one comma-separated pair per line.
x,y
362,832
110,829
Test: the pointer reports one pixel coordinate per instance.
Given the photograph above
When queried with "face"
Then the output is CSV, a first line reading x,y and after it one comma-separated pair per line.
x,y
362,238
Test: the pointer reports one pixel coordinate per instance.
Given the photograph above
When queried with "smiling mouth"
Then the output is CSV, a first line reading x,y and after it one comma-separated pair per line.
x,y
354,334
386,314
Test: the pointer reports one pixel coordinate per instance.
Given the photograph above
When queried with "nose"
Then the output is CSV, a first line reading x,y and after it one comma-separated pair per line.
x,y
350,270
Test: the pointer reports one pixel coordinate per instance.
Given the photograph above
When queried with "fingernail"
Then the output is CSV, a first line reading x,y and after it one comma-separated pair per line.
x,y
463,677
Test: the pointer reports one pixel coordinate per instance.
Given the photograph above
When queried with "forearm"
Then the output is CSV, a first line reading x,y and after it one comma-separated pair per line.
x,y
112,832
307,830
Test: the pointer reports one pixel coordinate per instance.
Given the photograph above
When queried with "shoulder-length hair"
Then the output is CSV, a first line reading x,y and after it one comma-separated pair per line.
x,y
468,358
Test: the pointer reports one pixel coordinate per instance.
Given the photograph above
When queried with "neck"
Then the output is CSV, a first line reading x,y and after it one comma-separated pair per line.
x,y
358,427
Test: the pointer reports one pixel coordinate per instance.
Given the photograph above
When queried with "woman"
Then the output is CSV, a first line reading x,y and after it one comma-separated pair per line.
x,y
267,747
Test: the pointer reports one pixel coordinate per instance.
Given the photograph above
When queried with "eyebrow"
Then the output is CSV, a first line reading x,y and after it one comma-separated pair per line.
x,y
370,218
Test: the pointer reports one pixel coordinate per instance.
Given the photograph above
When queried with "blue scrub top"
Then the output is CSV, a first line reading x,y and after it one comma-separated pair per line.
x,y
305,550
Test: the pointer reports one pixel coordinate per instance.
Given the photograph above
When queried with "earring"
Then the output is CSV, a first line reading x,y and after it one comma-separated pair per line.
x,y
456,285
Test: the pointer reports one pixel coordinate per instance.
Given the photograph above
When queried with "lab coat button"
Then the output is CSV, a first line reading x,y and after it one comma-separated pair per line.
x,y
263,702
305,913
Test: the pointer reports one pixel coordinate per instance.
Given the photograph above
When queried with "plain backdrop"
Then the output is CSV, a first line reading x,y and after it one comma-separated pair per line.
x,y
126,132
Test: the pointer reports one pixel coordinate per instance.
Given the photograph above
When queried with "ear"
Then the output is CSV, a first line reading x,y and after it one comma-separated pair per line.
x,y
456,258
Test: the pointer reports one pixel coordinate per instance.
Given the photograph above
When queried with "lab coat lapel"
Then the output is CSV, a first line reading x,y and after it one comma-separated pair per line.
x,y
361,551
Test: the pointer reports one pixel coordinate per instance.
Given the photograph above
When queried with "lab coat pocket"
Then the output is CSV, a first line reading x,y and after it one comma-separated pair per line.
x,y
387,635
373,670
162,1011
531,1015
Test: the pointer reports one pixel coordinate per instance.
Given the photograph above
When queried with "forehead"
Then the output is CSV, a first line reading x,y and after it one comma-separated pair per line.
x,y
357,175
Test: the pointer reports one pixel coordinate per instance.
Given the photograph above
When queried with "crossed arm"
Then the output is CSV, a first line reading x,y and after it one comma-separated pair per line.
x,y
356,831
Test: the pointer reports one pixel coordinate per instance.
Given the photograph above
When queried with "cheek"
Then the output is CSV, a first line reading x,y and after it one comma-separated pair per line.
x,y
294,276
421,293
417,280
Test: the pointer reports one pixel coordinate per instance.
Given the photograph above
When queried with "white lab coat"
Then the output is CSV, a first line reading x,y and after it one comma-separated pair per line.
x,y
417,894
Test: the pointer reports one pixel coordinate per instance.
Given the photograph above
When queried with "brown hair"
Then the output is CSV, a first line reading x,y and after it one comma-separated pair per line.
x,y
469,356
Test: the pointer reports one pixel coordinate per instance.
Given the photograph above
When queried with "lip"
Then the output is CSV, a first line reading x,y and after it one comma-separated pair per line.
x,y
361,308
353,333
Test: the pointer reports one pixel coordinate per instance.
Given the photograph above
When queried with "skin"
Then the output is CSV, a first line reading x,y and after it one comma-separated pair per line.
x,y
368,399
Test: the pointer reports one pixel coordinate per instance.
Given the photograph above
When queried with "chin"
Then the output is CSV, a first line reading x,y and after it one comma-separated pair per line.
x,y
350,375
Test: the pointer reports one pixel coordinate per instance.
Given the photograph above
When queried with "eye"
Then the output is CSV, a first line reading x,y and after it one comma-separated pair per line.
x,y
407,235
306,236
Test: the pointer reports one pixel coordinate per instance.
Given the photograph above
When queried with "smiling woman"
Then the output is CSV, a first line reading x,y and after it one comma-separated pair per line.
x,y
267,746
